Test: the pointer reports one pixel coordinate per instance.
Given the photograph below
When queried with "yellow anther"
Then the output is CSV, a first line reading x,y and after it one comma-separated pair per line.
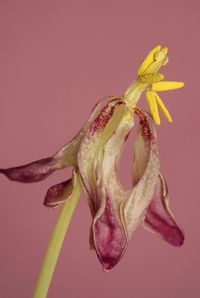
x,y
150,58
163,108
151,77
163,86
160,60
165,50
151,99
162,53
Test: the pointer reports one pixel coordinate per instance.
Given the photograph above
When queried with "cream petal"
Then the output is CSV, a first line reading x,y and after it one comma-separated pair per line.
x,y
94,139
146,171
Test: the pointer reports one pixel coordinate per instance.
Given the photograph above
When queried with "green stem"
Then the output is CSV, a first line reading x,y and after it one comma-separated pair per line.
x,y
55,243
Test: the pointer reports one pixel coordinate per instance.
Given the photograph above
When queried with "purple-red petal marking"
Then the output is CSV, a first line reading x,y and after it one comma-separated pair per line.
x,y
32,172
109,237
159,217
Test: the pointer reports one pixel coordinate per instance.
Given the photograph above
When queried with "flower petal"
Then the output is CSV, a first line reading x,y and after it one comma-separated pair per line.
x,y
159,217
94,139
65,157
164,86
146,172
108,233
59,193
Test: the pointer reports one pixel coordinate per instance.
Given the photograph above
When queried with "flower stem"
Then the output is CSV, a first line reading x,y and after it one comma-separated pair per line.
x,y
55,243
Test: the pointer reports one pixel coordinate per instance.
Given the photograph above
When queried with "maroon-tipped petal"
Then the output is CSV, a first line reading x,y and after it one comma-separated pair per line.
x,y
32,172
59,193
159,217
98,160
109,237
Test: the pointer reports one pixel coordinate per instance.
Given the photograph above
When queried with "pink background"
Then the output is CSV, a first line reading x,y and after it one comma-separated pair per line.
x,y
57,59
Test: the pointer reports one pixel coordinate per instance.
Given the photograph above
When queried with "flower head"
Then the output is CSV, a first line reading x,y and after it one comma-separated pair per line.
x,y
94,154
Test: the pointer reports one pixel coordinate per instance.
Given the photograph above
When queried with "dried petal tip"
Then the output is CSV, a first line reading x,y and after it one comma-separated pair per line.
x,y
58,194
159,217
32,172
109,237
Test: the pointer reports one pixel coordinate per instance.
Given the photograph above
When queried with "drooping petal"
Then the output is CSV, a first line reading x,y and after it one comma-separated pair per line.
x,y
145,173
65,157
151,99
60,193
164,86
108,232
159,218
108,235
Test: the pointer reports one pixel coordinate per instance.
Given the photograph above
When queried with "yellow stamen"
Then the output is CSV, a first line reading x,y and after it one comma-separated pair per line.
x,y
160,59
148,60
162,53
151,99
165,50
163,107
163,86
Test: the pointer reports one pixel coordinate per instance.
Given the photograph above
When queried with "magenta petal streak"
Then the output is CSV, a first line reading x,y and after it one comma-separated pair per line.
x,y
109,237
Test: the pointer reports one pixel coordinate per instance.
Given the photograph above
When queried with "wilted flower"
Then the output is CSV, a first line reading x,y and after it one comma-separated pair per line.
x,y
94,154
